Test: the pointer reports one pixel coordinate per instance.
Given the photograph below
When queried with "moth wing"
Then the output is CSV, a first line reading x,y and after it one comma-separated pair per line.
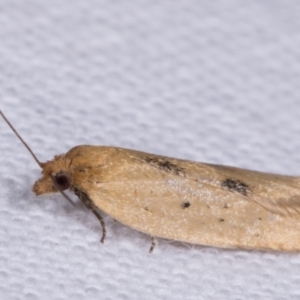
x,y
192,212
194,202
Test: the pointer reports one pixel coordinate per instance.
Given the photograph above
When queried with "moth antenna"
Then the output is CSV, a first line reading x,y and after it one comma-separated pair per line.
x,y
23,142
61,191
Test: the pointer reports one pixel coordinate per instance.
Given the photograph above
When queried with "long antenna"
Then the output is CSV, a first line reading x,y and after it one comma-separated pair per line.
x,y
23,142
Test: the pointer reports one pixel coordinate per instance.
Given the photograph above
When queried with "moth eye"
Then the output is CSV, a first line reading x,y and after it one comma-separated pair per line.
x,y
62,181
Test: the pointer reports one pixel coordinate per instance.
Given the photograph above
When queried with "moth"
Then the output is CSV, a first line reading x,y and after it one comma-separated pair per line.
x,y
177,199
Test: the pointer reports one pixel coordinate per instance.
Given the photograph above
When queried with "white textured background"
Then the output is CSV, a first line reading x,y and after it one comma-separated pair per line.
x,y
214,81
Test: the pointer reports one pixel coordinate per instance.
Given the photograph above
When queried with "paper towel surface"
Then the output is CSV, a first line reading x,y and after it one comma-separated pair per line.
x,y
211,81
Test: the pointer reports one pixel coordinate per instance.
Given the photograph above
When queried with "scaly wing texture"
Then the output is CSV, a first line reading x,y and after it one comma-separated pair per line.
x,y
220,219
277,193
196,203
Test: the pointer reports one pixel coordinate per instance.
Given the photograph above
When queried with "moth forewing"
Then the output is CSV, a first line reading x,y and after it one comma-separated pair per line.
x,y
191,202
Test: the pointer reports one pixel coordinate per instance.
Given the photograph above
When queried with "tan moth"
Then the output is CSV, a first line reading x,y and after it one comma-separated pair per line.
x,y
178,199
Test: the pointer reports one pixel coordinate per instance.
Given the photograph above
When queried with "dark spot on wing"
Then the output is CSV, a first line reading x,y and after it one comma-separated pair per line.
x,y
146,208
221,220
164,165
235,186
225,206
185,204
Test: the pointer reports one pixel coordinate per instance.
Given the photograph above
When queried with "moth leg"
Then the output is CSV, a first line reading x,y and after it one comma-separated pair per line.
x,y
153,243
99,217
90,205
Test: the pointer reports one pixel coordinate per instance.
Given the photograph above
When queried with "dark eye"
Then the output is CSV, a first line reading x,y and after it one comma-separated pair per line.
x,y
62,181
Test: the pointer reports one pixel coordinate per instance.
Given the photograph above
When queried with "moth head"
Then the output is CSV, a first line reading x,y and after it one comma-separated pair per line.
x,y
55,176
